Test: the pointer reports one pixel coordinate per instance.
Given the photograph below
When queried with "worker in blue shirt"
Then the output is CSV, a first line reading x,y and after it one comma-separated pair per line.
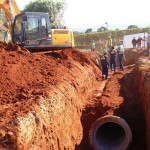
x,y
113,62
104,64
121,56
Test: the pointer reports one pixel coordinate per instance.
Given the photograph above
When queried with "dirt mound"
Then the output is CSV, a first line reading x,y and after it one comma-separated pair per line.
x,y
42,95
25,75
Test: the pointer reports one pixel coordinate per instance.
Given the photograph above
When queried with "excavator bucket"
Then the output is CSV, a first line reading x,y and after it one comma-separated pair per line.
x,y
10,8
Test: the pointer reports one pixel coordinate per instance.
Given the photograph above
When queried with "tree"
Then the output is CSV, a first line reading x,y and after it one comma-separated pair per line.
x,y
2,15
102,29
54,9
88,30
3,22
132,26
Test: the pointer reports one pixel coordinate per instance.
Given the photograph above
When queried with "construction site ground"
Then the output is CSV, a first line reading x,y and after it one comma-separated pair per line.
x,y
48,101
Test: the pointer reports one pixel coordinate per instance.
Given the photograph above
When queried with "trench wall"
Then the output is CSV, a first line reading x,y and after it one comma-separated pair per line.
x,y
51,120
142,87
55,123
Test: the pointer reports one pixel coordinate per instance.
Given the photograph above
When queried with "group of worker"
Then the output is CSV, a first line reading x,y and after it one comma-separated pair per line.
x,y
117,51
137,43
112,61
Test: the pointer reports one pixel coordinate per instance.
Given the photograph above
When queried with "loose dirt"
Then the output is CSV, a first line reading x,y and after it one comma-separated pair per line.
x,y
31,83
49,101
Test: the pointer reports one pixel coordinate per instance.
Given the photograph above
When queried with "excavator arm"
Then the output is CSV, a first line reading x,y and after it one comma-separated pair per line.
x,y
11,10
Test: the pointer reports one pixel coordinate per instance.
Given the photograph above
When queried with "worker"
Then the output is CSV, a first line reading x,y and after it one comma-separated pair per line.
x,y
121,56
148,43
113,62
139,40
109,42
134,42
104,64
104,46
92,46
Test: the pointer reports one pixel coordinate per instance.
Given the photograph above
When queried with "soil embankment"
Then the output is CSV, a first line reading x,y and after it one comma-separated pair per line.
x,y
42,97
49,101
142,86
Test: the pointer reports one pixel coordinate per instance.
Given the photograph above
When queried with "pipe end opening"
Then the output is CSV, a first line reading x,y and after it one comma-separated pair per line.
x,y
110,132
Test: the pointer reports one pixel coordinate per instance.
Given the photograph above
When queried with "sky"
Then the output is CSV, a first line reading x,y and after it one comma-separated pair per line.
x,y
82,14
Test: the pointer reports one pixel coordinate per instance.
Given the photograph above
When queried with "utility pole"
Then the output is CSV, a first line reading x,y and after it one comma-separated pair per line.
x,y
107,24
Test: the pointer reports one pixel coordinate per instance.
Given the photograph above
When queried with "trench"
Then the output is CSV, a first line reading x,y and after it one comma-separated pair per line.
x,y
33,119
118,99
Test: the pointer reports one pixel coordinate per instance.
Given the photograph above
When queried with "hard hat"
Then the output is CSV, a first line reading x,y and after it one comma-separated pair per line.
x,y
121,47
104,51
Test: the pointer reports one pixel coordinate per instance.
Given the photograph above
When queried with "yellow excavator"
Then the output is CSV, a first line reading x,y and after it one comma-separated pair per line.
x,y
33,30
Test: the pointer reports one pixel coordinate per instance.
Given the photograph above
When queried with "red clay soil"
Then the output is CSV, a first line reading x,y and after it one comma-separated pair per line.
x,y
49,101
42,96
142,85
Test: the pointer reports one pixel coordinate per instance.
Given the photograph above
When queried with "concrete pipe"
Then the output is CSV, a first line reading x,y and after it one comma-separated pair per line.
x,y
110,133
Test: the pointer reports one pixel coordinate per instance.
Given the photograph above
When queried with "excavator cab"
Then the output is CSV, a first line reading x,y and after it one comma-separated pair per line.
x,y
32,30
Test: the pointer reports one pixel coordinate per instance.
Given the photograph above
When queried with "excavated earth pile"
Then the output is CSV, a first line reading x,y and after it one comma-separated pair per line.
x,y
48,101
42,96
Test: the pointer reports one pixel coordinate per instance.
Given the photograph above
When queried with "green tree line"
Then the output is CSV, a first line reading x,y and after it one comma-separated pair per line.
x,y
103,29
55,9
85,39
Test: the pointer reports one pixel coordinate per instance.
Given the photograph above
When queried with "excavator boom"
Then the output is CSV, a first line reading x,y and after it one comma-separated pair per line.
x,y
11,10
